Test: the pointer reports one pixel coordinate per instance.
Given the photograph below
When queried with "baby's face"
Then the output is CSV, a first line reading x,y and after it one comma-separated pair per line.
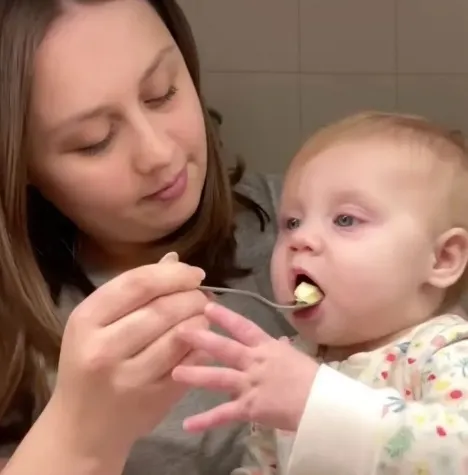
x,y
358,220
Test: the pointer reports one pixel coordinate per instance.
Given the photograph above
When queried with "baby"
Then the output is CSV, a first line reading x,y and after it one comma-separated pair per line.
x,y
374,214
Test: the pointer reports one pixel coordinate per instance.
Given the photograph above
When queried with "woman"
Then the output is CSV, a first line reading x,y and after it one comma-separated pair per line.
x,y
108,161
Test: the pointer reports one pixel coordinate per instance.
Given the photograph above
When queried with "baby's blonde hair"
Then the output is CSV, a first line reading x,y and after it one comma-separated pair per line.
x,y
444,145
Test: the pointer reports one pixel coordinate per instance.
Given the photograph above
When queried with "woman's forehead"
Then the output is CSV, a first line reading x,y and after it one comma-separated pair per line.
x,y
94,52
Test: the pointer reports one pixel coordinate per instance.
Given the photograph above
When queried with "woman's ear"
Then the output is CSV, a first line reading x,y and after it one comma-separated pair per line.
x,y
450,258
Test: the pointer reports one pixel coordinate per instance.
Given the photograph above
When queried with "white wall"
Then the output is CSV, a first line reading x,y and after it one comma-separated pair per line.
x,y
278,69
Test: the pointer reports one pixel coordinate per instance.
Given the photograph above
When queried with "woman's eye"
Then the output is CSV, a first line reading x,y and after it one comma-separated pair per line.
x,y
159,101
292,223
96,148
345,220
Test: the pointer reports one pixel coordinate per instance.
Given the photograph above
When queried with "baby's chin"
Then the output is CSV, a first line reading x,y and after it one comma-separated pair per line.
x,y
340,348
341,345
328,334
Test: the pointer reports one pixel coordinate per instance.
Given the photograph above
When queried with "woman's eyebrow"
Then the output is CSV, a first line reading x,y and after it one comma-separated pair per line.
x,y
154,65
103,109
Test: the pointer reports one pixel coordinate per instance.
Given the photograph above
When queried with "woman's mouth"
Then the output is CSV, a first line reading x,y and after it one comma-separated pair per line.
x,y
173,190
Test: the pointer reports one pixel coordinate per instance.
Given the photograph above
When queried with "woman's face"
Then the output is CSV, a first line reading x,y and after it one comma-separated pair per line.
x,y
117,132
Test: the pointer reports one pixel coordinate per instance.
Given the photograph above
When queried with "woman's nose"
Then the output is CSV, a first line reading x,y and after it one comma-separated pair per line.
x,y
156,149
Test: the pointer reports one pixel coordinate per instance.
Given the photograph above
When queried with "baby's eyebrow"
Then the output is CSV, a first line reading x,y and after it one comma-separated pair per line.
x,y
352,195
357,197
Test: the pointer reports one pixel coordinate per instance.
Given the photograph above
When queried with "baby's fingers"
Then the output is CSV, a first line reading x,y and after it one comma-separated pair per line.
x,y
225,350
213,378
221,415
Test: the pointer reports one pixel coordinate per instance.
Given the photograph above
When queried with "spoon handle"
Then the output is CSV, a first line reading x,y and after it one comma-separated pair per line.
x,y
248,293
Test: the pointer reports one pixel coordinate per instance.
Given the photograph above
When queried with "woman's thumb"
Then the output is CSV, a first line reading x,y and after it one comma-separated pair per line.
x,y
170,257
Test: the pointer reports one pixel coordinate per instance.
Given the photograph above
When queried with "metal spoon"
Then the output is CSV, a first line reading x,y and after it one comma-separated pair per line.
x,y
247,293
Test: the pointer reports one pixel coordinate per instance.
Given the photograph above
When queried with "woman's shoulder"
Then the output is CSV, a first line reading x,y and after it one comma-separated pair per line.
x,y
256,235
264,189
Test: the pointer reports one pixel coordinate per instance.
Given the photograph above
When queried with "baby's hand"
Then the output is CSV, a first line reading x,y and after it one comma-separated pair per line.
x,y
269,380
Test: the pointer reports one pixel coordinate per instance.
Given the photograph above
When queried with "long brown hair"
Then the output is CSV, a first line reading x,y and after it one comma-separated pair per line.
x,y
37,241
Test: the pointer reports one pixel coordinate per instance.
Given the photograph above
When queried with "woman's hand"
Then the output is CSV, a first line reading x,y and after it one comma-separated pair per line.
x,y
119,347
269,380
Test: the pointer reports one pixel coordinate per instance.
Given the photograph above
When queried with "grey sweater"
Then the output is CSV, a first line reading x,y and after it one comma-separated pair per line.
x,y
169,450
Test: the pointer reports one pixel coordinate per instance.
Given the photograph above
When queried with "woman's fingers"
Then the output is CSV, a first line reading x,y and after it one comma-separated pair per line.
x,y
161,356
132,333
196,358
135,288
169,257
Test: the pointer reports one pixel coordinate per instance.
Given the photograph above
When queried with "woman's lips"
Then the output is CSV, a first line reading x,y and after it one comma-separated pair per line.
x,y
172,191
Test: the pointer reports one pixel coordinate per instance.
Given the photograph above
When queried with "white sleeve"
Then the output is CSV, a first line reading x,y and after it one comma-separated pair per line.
x,y
338,430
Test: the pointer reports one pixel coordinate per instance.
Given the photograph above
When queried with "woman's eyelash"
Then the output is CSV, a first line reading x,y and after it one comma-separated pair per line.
x,y
98,147
166,98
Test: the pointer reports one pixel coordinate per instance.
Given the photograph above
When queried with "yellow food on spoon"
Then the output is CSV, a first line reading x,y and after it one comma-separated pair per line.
x,y
307,293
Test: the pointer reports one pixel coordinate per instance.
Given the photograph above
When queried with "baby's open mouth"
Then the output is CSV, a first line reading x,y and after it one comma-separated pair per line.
x,y
306,290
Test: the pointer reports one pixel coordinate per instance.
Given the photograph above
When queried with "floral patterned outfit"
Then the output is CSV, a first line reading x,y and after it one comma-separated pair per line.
x,y
399,410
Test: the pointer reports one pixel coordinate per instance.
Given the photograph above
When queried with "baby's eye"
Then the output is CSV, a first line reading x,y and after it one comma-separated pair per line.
x,y
345,220
292,223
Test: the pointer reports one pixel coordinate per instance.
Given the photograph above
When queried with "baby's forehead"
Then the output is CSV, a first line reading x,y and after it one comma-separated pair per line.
x,y
365,156
370,164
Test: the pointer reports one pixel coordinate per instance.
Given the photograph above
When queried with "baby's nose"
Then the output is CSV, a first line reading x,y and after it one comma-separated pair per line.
x,y
305,241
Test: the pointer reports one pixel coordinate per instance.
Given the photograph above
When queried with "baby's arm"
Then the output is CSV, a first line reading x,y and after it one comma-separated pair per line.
x,y
430,436
260,458
350,428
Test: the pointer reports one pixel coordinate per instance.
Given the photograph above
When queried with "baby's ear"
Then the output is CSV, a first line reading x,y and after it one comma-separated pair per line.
x,y
450,258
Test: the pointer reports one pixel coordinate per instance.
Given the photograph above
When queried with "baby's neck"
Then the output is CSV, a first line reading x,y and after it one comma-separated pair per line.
x,y
417,313
341,353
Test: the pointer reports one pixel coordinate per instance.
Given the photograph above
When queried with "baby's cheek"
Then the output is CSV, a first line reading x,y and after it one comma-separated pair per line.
x,y
358,283
279,272
279,284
